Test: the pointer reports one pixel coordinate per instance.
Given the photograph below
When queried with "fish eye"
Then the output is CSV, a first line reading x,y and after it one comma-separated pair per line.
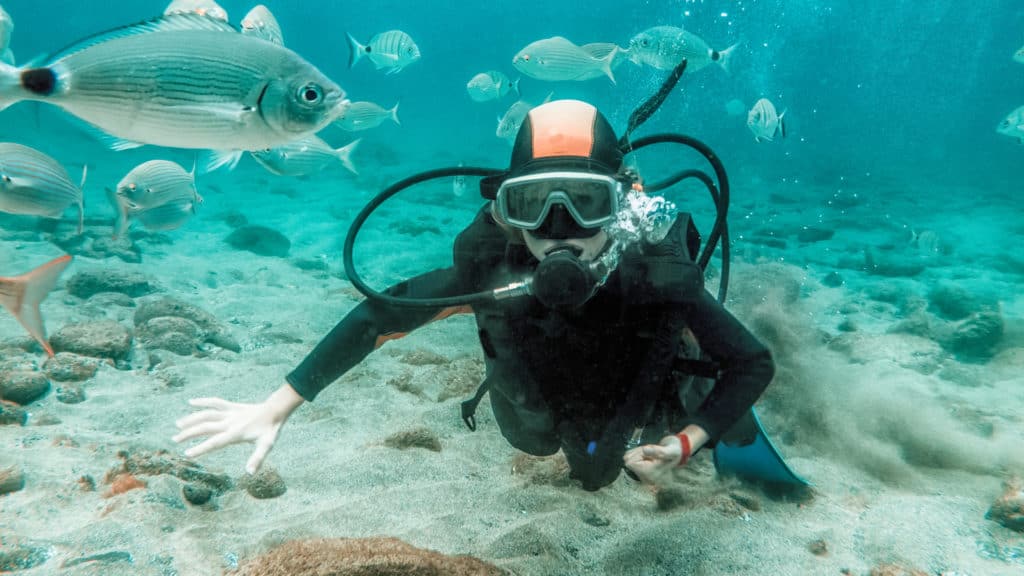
x,y
311,94
409,51
526,57
644,42
132,187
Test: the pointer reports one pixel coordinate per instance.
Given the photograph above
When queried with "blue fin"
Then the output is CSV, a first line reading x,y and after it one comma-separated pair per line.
x,y
758,461
182,21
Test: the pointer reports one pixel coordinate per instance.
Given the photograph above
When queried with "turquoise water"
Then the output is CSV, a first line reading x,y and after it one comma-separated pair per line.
x,y
892,179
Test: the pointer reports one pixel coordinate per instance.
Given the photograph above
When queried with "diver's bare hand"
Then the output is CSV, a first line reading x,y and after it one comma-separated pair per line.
x,y
653,463
224,423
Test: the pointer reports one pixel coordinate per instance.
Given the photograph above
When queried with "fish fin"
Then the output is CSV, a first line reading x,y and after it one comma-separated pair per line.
x,y
355,50
782,124
606,64
345,155
515,87
725,55
548,99
7,56
394,113
166,23
393,70
29,290
219,158
108,140
11,91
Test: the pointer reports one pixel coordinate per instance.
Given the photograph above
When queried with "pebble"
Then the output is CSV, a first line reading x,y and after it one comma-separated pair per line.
x,y
70,367
70,393
12,479
1008,509
23,387
100,339
264,484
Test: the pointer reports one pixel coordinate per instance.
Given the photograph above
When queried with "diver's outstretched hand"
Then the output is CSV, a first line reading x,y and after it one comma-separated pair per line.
x,y
224,423
653,463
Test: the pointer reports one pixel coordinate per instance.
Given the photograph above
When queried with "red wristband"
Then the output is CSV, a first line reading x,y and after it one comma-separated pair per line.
x,y
685,441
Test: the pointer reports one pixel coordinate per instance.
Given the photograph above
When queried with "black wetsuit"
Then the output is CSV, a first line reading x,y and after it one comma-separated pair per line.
x,y
559,380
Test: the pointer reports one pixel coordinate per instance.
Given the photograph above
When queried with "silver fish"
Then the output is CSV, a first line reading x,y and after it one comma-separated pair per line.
x,y
259,22
1019,55
21,296
393,50
185,81
559,59
7,57
201,7
306,156
33,183
765,122
459,184
490,85
1013,125
663,47
169,216
509,123
365,115
6,28
150,185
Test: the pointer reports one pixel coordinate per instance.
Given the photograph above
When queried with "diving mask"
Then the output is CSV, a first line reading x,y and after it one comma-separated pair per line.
x,y
592,200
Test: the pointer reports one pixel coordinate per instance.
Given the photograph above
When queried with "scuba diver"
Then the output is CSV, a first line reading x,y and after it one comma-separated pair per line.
x,y
599,339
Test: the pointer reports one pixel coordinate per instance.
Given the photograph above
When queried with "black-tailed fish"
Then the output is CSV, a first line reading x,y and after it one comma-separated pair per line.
x,y
185,81
664,47
765,122
201,7
21,296
557,58
490,85
1013,125
259,22
365,115
306,156
33,183
392,50
150,185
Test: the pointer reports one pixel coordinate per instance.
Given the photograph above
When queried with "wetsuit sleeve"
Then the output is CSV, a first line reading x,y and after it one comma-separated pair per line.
x,y
746,365
368,326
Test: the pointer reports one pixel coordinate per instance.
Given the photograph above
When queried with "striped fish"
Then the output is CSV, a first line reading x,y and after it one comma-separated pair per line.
x,y
32,183
304,157
559,59
259,22
169,216
508,125
185,81
21,296
151,185
490,85
393,50
201,7
365,115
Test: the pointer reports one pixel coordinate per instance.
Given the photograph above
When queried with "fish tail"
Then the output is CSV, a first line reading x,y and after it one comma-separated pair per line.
x,y
355,51
344,154
515,87
23,294
394,113
725,55
782,124
606,64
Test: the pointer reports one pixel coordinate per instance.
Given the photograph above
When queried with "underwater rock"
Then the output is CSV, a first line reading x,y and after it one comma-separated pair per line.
x,y
811,234
70,393
11,413
361,557
975,336
163,462
953,302
1008,510
196,494
818,548
259,240
157,318
70,367
892,266
12,479
23,387
265,483
833,280
88,283
100,339
542,470
422,357
421,437
97,244
15,556
108,299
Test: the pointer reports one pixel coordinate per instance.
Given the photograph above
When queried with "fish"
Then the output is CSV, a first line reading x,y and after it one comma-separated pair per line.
x,y
664,47
509,123
151,185
764,122
201,7
169,216
1019,55
260,23
33,183
366,115
557,58
6,28
490,85
306,156
393,50
600,50
1013,125
21,296
182,81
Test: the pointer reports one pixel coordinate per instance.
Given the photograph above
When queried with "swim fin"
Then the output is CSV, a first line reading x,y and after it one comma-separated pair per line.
x,y
747,452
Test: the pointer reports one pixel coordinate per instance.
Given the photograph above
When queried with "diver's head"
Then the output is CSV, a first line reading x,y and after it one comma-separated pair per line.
x,y
563,185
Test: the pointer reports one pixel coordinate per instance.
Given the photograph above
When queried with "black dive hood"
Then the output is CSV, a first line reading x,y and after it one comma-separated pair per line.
x,y
562,281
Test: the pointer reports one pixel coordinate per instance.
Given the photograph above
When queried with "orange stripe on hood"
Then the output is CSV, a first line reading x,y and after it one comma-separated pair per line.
x,y
563,128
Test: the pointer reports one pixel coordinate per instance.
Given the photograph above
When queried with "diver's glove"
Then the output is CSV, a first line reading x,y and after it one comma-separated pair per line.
x,y
660,273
